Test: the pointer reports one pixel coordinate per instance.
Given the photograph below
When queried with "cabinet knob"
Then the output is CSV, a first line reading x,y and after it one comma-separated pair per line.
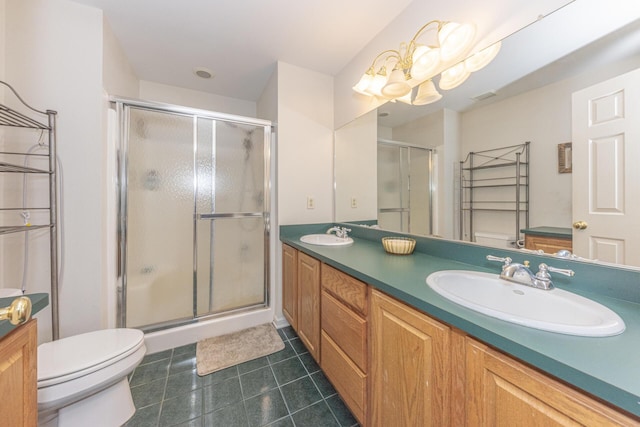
x,y
580,225
18,312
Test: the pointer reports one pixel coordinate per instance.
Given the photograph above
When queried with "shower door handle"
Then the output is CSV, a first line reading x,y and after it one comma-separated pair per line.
x,y
230,215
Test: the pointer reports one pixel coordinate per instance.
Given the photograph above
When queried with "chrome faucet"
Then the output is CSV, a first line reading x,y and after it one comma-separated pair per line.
x,y
341,232
520,273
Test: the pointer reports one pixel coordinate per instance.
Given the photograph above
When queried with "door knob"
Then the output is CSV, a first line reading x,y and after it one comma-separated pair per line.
x,y
18,312
580,225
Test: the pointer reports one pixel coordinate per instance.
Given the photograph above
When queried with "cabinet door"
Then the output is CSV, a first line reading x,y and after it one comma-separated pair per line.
x,y
290,285
309,303
410,366
18,380
503,392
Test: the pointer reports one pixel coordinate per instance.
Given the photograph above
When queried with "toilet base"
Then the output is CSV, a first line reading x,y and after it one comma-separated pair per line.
x,y
110,407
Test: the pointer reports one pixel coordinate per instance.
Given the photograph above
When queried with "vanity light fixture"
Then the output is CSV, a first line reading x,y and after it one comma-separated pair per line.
x,y
416,63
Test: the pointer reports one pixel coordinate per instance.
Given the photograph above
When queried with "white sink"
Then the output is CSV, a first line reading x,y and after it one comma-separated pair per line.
x,y
552,310
326,240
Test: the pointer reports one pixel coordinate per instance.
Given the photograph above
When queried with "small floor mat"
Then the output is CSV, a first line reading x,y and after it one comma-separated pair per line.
x,y
214,354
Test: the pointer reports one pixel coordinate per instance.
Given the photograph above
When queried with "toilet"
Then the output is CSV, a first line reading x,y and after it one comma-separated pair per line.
x,y
495,240
82,379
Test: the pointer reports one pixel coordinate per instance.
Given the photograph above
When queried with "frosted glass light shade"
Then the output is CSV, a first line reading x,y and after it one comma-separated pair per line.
x,y
397,85
363,84
378,82
427,94
455,40
425,61
481,59
406,98
454,76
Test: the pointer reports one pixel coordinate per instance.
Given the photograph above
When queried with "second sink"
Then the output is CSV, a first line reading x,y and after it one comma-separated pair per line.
x,y
326,240
553,310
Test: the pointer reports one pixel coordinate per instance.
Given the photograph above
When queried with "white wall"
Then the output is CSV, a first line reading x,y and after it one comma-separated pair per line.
x,y
54,59
158,92
355,171
305,145
119,77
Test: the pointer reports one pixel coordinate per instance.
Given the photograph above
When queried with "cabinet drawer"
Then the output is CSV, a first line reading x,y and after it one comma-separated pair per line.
x,y
345,376
549,245
346,329
345,288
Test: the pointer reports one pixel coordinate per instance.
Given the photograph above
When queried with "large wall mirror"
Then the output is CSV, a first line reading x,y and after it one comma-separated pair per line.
x,y
525,95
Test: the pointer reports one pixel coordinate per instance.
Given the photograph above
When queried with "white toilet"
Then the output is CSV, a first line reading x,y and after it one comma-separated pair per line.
x,y
82,379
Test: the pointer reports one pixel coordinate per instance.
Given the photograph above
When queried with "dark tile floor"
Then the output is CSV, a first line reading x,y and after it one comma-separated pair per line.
x,y
284,389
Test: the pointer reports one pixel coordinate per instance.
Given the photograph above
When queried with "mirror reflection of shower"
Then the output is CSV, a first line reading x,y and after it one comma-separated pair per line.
x,y
405,176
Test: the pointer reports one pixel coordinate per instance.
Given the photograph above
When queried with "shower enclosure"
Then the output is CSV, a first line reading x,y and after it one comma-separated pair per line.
x,y
405,176
193,214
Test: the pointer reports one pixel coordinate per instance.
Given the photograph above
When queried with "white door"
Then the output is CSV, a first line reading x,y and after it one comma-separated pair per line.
x,y
606,170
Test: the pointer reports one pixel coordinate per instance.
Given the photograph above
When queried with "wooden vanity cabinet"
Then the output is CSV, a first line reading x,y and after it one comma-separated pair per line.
x,y
18,377
290,285
394,365
308,275
500,391
549,245
410,366
343,342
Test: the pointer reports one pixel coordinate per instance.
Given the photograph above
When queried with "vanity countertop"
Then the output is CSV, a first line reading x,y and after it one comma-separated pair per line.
x,y
38,302
560,232
605,367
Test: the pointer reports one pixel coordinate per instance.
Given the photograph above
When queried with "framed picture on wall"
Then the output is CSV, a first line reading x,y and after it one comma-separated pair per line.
x,y
564,157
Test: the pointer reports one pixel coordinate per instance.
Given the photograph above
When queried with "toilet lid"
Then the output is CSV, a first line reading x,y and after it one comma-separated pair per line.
x,y
81,352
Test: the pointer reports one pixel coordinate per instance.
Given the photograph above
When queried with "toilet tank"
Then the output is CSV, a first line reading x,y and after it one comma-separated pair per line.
x,y
495,240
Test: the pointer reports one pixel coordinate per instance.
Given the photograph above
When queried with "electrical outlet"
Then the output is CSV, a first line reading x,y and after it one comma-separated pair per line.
x,y
311,202
354,202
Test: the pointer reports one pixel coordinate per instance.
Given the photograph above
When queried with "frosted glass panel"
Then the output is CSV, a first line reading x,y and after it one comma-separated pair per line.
x,y
230,242
230,264
159,255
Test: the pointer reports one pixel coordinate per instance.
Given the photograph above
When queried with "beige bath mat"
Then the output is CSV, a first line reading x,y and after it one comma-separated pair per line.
x,y
221,352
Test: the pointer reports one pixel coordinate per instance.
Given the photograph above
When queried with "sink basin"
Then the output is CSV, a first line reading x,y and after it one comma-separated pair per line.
x,y
326,240
553,310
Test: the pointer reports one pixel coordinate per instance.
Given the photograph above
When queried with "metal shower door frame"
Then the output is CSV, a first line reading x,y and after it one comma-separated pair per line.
x,y
122,106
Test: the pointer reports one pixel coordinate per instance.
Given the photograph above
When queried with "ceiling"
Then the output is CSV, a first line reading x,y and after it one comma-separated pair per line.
x,y
241,41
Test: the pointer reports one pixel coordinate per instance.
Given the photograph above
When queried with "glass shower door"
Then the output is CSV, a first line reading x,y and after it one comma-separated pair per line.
x,y
158,218
231,216
194,215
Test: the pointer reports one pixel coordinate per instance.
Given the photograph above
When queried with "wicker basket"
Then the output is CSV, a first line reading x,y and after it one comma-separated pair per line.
x,y
399,245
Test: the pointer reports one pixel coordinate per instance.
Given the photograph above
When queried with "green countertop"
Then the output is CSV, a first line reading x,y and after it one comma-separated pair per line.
x,y
38,302
605,367
560,232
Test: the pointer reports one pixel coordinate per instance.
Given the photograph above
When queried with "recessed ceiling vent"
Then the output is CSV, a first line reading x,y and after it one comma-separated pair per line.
x,y
202,72
484,96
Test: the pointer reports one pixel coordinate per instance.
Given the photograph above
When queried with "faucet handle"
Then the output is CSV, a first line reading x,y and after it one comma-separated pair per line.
x,y
506,260
544,269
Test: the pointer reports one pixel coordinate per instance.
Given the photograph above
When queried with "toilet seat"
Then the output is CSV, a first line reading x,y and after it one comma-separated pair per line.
x,y
80,355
